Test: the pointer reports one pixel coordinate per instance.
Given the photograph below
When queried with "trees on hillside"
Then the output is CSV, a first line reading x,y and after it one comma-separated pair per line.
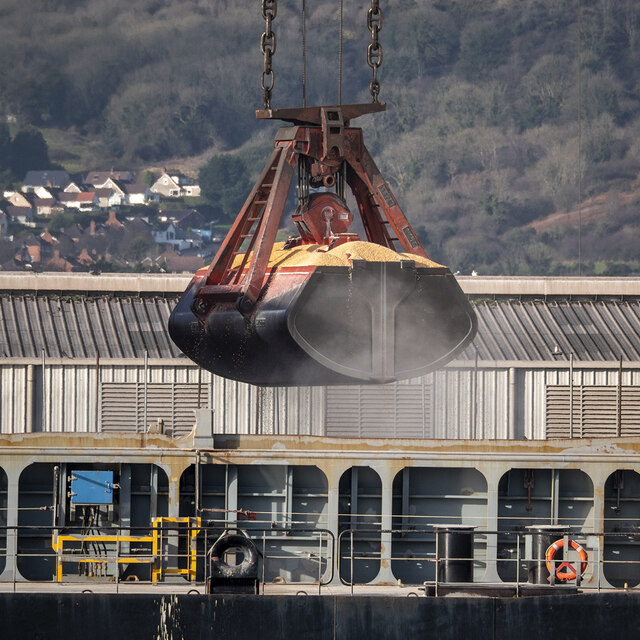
x,y
224,182
488,125
25,151
28,151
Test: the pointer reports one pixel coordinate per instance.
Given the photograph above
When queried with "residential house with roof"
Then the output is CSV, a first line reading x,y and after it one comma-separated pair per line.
x,y
121,192
31,251
17,199
74,232
167,233
45,192
18,207
112,221
66,198
186,219
60,241
175,185
47,206
99,178
173,262
139,194
118,193
20,215
45,178
73,187
86,201
57,262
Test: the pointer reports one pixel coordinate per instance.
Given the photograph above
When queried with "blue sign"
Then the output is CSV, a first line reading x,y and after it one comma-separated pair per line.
x,y
92,487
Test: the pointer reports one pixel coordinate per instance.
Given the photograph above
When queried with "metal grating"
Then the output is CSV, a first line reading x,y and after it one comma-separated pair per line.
x,y
596,411
122,406
379,411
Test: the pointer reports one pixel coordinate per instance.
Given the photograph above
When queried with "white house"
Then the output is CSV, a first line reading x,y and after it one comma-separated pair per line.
x,y
139,194
175,185
72,187
167,233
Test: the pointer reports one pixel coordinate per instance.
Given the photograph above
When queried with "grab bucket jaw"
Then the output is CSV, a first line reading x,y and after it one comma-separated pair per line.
x,y
373,322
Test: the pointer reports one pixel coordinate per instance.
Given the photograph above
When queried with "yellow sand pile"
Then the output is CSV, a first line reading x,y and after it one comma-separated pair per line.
x,y
341,256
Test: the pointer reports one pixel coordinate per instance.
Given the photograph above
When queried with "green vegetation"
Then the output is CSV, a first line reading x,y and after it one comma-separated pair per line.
x,y
224,180
26,150
498,113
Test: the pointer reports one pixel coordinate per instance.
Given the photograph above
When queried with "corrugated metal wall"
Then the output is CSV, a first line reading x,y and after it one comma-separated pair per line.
x,y
13,385
136,406
400,410
243,408
71,392
457,402
470,405
537,382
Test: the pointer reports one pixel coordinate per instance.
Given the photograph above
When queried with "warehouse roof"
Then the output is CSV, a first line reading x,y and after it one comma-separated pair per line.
x,y
551,328
125,316
83,326
176,283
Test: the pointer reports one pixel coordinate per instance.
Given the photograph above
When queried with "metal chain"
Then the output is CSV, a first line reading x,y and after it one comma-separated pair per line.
x,y
341,31
374,51
268,48
304,53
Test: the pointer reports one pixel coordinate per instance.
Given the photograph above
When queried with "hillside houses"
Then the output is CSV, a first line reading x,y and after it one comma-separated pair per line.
x,y
133,243
49,192
117,224
114,226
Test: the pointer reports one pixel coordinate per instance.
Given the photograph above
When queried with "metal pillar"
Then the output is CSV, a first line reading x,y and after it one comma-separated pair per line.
x,y
232,495
173,512
9,575
386,514
492,476
333,500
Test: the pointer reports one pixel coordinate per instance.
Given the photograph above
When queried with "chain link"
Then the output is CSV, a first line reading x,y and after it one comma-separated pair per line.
x,y
268,48
374,50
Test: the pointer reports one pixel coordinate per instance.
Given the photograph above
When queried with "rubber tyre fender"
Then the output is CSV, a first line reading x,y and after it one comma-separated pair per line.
x,y
249,565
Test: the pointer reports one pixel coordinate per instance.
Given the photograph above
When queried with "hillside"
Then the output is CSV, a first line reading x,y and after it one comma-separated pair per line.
x,y
499,113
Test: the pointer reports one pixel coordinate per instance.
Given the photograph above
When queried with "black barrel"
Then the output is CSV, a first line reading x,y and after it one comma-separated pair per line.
x,y
542,537
455,553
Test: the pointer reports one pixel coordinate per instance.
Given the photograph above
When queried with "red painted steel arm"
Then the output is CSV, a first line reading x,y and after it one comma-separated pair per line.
x,y
221,264
266,233
370,217
257,224
366,170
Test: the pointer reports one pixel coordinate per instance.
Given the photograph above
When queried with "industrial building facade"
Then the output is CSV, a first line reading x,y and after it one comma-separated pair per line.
x,y
552,358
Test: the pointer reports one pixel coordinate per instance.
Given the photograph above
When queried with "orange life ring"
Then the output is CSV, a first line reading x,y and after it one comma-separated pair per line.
x,y
566,571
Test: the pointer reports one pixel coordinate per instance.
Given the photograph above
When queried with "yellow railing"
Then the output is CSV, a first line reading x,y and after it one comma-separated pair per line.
x,y
159,569
156,559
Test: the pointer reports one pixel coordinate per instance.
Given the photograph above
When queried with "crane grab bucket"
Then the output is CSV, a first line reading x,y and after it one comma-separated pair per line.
x,y
325,307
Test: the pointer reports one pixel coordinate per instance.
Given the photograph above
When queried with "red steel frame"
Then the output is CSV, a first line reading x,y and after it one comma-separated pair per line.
x,y
321,134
